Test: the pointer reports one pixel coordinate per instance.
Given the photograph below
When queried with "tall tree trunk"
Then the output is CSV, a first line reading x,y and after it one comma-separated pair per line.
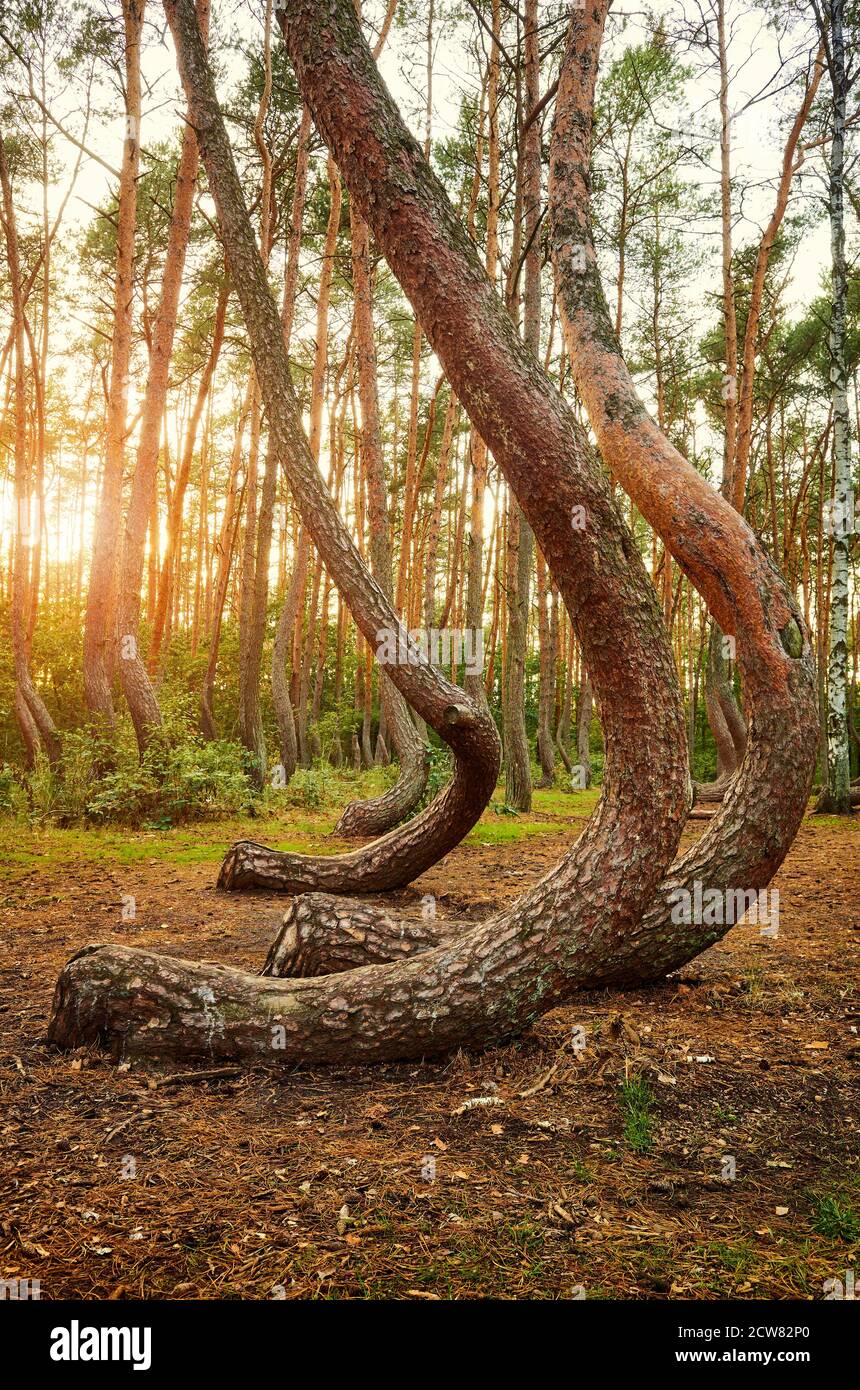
x,y
34,721
547,640
562,732
790,164
380,814
294,594
289,615
138,691
255,591
225,549
518,773
836,797
474,683
723,711
583,731
169,581
101,599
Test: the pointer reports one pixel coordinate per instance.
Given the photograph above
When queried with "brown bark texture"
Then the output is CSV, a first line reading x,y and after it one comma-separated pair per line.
x,y
572,928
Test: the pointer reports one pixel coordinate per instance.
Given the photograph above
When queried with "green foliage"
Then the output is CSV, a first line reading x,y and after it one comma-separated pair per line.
x,y
310,787
441,771
12,797
180,778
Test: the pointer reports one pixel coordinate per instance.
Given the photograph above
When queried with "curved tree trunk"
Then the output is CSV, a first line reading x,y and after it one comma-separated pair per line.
x,y
322,935
748,839
583,925
573,925
395,859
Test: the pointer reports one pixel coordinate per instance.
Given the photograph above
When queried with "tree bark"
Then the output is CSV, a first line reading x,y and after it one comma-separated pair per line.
x,y
255,591
748,839
322,935
101,597
36,725
518,771
394,859
138,691
836,795
225,548
377,816
719,699
547,639
572,928
287,738
583,731
169,580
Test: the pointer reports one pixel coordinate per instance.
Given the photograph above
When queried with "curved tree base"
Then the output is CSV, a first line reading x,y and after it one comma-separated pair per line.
x,y
361,819
322,935
393,860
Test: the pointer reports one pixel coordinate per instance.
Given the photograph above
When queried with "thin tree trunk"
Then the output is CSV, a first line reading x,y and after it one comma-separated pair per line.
x,y
747,841
138,691
719,699
294,595
382,813
169,583
836,797
36,725
518,773
226,547
101,598
255,591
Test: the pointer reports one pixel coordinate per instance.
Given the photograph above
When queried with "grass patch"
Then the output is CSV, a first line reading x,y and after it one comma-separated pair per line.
x,y
834,1218
637,1104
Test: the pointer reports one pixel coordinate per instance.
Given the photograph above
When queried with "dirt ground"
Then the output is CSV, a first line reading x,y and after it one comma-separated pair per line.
x,y
703,1144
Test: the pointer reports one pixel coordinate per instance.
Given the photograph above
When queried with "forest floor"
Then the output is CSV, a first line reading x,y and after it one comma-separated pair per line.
x,y
603,1173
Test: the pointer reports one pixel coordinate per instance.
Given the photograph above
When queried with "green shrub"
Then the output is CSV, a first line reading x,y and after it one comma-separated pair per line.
x,y
180,778
12,795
